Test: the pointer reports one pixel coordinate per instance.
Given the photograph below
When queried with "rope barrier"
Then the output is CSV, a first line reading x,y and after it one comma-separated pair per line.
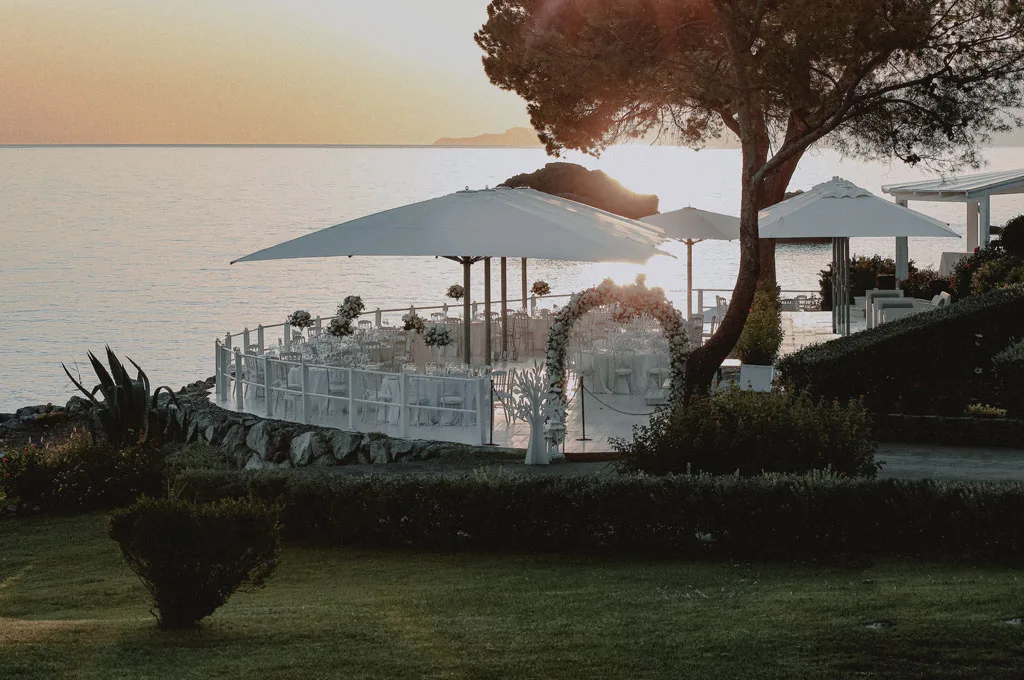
x,y
625,413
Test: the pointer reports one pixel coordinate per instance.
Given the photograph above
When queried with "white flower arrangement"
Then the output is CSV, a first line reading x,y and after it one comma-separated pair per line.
x,y
437,336
351,307
632,301
456,292
411,321
340,327
300,319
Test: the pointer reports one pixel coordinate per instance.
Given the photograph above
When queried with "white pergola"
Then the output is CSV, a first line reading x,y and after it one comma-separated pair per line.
x,y
975,190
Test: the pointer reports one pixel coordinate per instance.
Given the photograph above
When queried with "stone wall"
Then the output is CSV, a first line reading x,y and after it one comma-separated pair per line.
x,y
256,443
249,441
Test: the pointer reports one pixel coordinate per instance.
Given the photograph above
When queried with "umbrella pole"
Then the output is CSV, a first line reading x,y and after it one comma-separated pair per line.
x,y
487,309
467,321
689,279
524,284
504,310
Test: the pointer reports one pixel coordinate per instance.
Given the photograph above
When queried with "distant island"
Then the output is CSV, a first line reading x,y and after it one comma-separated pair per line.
x,y
517,137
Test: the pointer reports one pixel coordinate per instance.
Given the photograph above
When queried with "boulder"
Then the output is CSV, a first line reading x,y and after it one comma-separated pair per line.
x,y
380,452
234,446
345,445
307,447
27,413
256,463
402,449
270,443
326,460
77,405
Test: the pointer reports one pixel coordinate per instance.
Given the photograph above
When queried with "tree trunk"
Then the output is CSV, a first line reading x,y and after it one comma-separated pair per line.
x,y
705,360
773,191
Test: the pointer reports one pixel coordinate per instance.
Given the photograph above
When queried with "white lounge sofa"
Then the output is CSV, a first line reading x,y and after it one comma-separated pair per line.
x,y
869,303
891,309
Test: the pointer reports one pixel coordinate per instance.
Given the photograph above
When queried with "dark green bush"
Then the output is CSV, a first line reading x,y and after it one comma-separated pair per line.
x,y
1012,237
193,557
196,456
996,274
772,517
960,280
79,474
751,433
864,273
1009,370
924,284
936,362
761,338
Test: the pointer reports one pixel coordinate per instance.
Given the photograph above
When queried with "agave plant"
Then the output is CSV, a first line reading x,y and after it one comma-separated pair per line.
x,y
124,414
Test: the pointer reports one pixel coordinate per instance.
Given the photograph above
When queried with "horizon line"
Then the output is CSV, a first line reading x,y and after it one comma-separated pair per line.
x,y
293,146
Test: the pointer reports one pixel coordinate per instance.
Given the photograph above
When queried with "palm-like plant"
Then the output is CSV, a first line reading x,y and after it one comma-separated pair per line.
x,y
124,414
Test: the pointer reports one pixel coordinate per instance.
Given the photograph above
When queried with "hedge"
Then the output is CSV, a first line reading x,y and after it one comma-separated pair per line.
x,y
766,518
1009,369
936,362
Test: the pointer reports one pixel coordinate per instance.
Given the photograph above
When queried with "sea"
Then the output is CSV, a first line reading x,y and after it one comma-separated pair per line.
x,y
130,246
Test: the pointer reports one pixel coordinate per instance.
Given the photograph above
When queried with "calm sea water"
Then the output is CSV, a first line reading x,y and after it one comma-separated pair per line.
x,y
130,246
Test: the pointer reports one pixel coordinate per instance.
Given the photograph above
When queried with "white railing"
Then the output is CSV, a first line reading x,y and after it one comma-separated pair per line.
x,y
264,336
406,405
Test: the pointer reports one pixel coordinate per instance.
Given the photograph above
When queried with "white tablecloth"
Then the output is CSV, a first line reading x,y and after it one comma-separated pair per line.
x,y
427,391
599,369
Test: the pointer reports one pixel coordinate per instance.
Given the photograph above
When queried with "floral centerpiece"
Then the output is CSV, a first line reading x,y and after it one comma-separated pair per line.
x,y
456,292
300,319
412,321
437,336
350,308
540,288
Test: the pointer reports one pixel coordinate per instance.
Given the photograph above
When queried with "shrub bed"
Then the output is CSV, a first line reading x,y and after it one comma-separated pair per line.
x,y
1004,432
765,518
79,474
936,362
753,432
1009,370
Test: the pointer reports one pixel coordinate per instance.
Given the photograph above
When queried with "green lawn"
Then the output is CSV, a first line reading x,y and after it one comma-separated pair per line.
x,y
69,608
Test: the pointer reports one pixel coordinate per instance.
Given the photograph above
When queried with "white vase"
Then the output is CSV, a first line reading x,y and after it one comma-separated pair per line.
x,y
537,452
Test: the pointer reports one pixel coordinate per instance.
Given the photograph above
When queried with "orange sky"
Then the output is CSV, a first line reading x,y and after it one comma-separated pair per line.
x,y
245,72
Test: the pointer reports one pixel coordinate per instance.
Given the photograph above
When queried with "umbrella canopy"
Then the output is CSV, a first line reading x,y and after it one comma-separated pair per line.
x,y
498,222
691,226
484,223
841,209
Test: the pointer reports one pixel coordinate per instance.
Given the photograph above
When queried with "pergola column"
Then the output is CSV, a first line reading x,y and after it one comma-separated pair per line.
x,y
985,217
972,225
902,252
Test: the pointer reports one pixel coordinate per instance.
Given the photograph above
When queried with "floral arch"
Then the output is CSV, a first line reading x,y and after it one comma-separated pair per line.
x,y
633,300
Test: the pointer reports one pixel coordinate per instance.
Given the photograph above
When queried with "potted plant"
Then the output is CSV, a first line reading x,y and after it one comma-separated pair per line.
x,y
758,346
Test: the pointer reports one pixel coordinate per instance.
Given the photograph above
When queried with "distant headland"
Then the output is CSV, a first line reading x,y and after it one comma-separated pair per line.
x,y
514,137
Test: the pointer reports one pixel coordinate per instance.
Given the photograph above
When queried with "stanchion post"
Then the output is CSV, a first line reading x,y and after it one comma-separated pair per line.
x,y
583,415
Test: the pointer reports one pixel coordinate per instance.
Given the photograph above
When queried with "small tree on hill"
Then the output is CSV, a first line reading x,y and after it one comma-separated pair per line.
x,y
921,80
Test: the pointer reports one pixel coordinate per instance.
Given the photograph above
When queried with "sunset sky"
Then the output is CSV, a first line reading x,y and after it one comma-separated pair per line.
x,y
245,71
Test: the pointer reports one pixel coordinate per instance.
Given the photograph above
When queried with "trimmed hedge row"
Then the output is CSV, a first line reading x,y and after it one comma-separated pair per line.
x,y
765,518
1004,432
1009,369
936,362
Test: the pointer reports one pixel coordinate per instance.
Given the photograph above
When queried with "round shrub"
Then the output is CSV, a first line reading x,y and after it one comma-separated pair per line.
x,y
960,280
1012,237
997,273
193,557
761,338
1009,369
752,433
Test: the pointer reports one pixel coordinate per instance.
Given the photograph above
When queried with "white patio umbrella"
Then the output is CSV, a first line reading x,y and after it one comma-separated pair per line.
x,y
487,223
839,209
691,226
